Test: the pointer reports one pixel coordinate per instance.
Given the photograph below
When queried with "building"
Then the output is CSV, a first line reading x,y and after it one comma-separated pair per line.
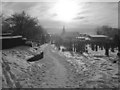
x,y
98,37
9,41
63,32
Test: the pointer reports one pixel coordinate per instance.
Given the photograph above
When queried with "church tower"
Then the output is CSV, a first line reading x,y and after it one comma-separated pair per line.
x,y
63,31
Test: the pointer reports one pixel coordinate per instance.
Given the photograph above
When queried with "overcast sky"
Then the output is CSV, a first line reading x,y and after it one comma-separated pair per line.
x,y
90,14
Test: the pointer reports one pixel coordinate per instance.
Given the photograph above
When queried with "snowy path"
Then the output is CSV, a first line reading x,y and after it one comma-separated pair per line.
x,y
56,76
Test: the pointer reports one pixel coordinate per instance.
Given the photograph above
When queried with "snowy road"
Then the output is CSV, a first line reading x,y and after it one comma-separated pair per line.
x,y
57,75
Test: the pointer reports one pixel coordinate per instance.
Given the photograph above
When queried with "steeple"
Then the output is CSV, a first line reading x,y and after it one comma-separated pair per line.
x,y
63,32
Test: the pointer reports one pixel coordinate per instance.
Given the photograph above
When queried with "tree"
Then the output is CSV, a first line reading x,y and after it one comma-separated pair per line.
x,y
114,33
107,30
25,25
5,26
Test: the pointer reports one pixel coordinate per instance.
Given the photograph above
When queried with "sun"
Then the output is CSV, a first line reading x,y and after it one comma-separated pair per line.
x,y
66,10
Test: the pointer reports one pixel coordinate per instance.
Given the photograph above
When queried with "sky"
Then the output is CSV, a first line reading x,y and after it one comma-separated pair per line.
x,y
75,15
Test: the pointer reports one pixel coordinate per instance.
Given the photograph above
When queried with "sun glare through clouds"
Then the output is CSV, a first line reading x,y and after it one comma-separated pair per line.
x,y
66,10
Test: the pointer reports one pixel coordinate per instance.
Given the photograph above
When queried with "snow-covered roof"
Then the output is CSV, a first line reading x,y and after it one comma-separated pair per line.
x,y
98,36
10,37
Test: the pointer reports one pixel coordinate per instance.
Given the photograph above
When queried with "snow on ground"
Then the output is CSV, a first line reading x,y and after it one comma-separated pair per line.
x,y
95,68
101,52
17,72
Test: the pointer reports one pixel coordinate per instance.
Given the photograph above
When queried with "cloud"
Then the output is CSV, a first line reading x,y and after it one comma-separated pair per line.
x,y
57,0
9,8
79,18
91,14
41,10
119,14
99,13
28,0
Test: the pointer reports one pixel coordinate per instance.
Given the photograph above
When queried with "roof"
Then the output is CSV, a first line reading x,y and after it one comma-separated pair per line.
x,y
10,37
98,36
5,34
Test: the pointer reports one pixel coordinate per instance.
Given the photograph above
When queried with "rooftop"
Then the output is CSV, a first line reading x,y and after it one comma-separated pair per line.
x,y
98,36
10,37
